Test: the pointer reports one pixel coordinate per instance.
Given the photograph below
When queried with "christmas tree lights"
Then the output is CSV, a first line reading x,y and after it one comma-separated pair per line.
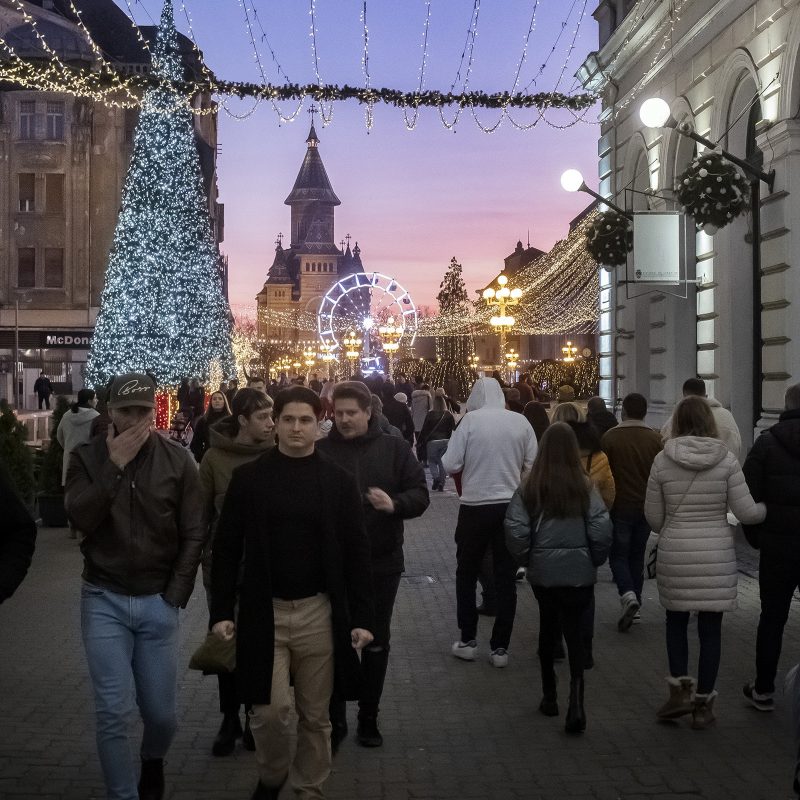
x,y
454,301
163,309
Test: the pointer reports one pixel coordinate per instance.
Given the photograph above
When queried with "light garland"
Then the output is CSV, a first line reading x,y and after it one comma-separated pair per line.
x,y
413,123
469,45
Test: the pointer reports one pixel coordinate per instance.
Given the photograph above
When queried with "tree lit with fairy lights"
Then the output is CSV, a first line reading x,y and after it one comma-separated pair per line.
x,y
163,309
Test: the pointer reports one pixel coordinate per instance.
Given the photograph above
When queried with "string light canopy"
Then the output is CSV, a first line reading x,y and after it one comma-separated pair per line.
x,y
103,82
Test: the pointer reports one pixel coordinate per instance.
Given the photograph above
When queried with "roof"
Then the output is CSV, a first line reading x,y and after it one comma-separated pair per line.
x,y
278,272
312,184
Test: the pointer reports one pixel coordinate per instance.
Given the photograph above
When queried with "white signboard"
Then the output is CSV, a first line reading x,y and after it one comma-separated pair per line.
x,y
658,247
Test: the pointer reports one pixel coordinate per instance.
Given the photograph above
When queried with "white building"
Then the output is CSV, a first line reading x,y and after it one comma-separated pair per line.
x,y
730,69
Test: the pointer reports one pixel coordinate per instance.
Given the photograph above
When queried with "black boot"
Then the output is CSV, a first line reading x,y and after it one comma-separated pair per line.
x,y
576,716
368,733
338,714
248,742
549,704
267,792
229,732
151,781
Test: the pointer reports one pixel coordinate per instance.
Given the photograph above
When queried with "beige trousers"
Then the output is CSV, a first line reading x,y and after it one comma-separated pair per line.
x,y
303,652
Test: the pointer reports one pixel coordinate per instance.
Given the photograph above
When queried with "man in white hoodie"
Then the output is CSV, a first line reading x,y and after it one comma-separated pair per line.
x,y
492,448
727,428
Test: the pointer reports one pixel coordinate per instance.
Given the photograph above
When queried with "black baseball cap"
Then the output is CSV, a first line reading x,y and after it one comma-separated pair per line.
x,y
132,389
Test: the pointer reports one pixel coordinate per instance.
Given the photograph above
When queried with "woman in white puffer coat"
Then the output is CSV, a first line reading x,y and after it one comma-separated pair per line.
x,y
693,482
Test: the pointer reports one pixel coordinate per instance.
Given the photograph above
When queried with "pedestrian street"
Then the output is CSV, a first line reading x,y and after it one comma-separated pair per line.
x,y
452,729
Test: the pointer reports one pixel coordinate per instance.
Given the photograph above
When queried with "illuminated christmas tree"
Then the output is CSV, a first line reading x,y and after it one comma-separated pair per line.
x,y
163,309
453,301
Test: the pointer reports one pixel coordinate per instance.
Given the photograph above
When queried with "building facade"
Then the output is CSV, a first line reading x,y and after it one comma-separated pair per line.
x,y
63,162
730,70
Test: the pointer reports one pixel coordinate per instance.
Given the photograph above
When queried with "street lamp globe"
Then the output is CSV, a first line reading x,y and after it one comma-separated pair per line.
x,y
502,279
488,294
654,112
571,180
516,294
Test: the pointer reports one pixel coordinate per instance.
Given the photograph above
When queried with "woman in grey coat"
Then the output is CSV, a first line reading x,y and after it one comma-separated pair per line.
x,y
558,527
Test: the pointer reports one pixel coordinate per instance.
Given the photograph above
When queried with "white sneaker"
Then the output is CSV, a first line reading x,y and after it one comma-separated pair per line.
x,y
465,650
630,605
499,658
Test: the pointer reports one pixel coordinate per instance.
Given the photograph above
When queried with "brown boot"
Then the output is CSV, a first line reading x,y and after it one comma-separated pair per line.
x,y
680,698
703,711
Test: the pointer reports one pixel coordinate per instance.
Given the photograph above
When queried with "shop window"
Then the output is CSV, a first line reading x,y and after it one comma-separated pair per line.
x,y
27,119
27,191
26,267
54,193
55,122
54,267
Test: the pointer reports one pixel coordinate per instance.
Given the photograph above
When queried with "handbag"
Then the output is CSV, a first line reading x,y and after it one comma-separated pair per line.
x,y
215,655
652,559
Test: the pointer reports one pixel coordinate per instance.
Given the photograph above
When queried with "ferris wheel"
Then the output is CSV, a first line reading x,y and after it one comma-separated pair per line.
x,y
361,302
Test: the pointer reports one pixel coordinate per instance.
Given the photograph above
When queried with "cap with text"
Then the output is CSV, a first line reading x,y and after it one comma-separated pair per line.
x,y
132,389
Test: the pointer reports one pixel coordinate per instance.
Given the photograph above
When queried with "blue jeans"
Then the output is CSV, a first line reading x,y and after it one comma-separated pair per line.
x,y
131,646
436,449
631,532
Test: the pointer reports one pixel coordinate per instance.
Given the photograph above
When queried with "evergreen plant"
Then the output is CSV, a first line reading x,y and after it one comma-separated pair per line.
x,y
15,453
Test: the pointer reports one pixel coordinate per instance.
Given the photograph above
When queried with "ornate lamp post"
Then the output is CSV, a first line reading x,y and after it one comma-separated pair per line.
x,y
309,359
501,298
352,352
570,351
328,357
512,362
390,338
473,361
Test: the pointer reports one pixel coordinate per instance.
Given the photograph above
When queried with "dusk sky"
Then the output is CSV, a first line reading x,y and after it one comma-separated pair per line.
x,y
412,199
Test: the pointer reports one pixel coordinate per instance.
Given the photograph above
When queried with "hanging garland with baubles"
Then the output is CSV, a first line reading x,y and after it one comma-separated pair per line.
x,y
713,191
610,238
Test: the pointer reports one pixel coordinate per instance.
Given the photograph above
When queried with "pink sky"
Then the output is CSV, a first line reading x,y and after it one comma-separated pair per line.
x,y
412,199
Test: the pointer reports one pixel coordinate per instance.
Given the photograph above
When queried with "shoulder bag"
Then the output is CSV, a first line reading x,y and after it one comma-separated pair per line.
x,y
653,558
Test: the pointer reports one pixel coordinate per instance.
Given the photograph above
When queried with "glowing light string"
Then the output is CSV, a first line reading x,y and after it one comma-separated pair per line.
x,y
410,125
469,46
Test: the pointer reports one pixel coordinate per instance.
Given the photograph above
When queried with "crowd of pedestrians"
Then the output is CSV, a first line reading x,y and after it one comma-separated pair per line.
x,y
296,514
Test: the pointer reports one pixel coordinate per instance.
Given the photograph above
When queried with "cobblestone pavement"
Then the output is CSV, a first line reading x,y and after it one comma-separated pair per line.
x,y
452,729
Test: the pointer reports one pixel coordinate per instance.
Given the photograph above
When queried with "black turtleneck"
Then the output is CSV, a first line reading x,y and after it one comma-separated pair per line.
x,y
295,529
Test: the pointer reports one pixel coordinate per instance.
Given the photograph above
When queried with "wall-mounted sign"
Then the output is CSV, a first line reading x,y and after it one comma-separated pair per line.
x,y
659,248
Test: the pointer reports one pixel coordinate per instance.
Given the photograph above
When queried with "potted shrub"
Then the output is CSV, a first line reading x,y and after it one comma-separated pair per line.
x,y
16,455
50,495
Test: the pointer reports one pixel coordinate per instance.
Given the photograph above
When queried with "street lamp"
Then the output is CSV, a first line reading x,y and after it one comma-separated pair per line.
x,y
655,113
512,361
570,351
500,298
572,181
474,361
352,344
327,355
390,337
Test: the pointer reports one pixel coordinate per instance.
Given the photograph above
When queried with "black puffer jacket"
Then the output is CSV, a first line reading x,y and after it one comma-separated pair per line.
x,y
386,462
772,472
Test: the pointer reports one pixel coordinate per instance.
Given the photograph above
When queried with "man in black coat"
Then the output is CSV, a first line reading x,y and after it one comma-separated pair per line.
x,y
397,413
43,389
393,488
772,472
305,600
17,540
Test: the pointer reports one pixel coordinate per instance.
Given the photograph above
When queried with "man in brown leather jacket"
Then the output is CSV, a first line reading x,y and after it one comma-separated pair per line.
x,y
134,496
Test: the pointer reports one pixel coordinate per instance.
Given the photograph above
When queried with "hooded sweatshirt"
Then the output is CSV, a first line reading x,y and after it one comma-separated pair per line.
x,y
74,429
693,482
491,446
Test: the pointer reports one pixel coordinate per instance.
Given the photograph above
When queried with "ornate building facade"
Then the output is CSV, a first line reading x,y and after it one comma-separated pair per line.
x,y
63,162
730,72
302,274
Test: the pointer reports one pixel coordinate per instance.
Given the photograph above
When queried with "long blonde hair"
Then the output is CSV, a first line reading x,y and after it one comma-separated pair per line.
x,y
557,485
568,412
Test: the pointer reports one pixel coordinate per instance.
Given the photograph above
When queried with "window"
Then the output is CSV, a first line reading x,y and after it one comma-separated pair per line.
x,y
55,122
54,193
26,267
54,267
27,119
27,191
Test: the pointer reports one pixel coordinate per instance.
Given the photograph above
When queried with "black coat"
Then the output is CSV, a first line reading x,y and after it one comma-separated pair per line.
x,y
17,540
602,420
243,532
398,415
387,463
772,472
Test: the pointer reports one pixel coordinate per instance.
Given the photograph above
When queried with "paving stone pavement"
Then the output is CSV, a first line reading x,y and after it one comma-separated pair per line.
x,y
452,729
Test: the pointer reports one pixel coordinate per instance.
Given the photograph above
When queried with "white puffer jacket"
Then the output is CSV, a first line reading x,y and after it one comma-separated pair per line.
x,y
692,484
